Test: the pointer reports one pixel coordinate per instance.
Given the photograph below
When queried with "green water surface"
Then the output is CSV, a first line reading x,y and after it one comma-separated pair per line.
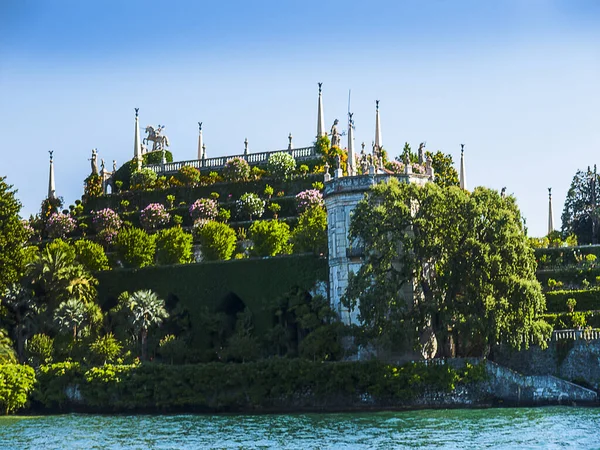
x,y
539,428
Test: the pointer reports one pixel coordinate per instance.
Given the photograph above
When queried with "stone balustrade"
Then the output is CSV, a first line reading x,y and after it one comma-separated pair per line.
x,y
587,335
299,154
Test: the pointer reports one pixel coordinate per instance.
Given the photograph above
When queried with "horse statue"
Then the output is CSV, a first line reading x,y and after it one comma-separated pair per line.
x,y
159,141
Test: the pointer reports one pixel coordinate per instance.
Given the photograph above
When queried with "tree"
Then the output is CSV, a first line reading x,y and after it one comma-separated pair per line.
x,y
270,238
310,235
580,213
12,236
16,382
173,246
7,352
147,311
91,255
135,247
21,309
441,260
217,240
443,168
70,316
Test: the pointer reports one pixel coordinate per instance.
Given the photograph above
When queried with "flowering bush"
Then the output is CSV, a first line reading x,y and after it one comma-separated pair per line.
x,y
29,231
418,168
143,178
281,165
153,216
204,208
106,219
308,199
188,176
250,204
236,169
396,166
59,225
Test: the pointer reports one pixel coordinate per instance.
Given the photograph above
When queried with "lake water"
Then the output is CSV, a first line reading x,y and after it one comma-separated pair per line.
x,y
544,428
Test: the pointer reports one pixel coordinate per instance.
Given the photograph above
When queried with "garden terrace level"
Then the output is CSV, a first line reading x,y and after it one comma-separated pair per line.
x,y
299,154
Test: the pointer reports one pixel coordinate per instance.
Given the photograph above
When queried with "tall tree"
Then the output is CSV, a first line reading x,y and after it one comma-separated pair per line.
x,y
12,236
444,260
443,166
147,311
21,310
580,213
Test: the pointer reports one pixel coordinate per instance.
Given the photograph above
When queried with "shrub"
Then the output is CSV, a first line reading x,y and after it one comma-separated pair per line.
x,y
172,350
268,191
188,176
310,235
224,215
105,349
308,199
171,200
281,165
318,185
135,247
16,382
92,186
60,225
275,208
249,204
236,169
395,166
270,238
91,255
571,303
39,349
217,240
106,219
154,216
173,246
143,178
204,208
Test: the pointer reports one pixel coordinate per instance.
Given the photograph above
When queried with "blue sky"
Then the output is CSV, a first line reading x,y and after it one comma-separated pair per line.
x,y
516,81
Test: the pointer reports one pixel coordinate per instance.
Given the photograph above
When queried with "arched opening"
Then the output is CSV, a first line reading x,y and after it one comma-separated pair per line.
x,y
229,307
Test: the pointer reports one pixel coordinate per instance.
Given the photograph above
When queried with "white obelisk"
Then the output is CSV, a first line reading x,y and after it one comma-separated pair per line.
x,y
550,214
200,143
463,173
51,187
137,148
320,117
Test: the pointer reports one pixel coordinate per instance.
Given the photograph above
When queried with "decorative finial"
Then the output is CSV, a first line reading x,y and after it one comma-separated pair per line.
x,y
245,145
462,148
320,85
363,147
51,152
199,126
376,104
136,111
549,192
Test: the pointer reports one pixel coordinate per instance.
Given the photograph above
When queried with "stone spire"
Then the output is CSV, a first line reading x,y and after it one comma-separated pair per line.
x,y
51,187
550,214
378,143
137,148
463,173
320,118
351,155
200,143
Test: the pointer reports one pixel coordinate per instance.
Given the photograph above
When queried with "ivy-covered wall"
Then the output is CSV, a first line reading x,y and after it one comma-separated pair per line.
x,y
257,282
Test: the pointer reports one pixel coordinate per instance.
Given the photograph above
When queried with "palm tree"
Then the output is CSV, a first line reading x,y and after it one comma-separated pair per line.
x,y
147,310
70,315
22,308
80,284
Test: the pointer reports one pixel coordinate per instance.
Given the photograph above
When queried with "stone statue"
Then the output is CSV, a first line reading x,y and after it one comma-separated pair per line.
x,y
94,160
503,192
335,134
338,160
421,153
114,165
159,141
102,165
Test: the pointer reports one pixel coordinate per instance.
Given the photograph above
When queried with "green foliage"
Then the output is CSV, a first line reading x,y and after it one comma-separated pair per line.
x,y
322,145
268,191
91,255
70,316
571,303
146,311
480,283
188,176
217,240
12,236
7,352
443,169
172,350
236,170
223,215
270,238
143,178
173,246
16,382
135,247
578,212
105,349
281,165
39,349
310,235
93,186
269,384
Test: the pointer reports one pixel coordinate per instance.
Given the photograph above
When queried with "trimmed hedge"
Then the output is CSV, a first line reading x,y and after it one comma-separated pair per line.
x,y
570,277
258,283
562,321
588,299
276,384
